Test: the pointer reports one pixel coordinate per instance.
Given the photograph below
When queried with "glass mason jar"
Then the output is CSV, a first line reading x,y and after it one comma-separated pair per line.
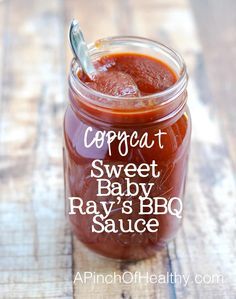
x,y
166,111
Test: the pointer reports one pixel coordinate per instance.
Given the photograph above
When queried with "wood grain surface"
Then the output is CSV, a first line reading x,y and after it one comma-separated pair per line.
x,y
39,258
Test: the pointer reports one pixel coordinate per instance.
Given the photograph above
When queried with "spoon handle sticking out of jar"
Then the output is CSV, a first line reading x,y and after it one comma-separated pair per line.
x,y
80,49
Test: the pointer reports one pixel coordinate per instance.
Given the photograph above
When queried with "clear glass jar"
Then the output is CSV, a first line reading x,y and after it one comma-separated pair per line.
x,y
166,111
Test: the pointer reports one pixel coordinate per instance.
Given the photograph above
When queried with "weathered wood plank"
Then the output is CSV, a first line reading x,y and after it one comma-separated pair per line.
x,y
216,25
35,243
85,261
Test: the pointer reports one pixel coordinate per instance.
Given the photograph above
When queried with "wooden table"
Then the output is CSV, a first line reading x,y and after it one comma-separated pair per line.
x,y
38,255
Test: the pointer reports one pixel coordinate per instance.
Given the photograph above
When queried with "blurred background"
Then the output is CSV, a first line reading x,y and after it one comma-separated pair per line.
x,y
38,256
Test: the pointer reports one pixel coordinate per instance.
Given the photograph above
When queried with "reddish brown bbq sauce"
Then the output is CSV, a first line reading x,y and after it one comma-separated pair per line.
x,y
126,75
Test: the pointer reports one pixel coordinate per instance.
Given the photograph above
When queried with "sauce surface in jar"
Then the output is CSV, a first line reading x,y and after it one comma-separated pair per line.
x,y
130,74
126,160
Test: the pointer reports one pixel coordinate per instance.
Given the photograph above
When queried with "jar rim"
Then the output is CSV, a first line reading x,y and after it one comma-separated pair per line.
x,y
168,94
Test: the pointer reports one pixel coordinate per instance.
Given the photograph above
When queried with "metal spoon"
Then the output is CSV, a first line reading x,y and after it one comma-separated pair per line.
x,y
80,49
124,83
